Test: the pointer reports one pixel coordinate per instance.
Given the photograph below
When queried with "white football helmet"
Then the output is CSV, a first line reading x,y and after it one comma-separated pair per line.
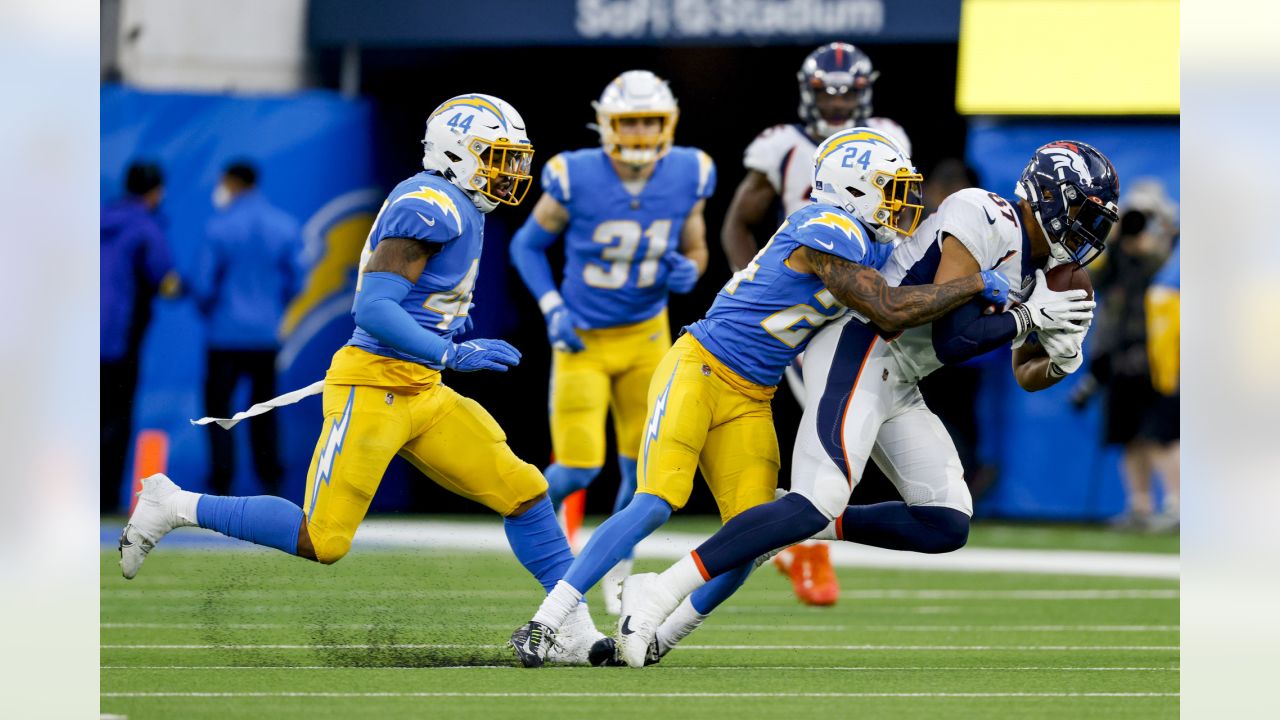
x,y
478,142
636,95
867,174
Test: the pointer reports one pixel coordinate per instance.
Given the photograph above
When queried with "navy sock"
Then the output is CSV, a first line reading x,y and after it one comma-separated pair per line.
x,y
539,543
564,481
759,530
709,596
898,526
616,539
261,519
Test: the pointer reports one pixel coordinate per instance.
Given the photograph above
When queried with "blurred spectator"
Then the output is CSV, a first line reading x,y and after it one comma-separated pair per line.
x,y
951,391
1163,331
136,266
1120,367
249,269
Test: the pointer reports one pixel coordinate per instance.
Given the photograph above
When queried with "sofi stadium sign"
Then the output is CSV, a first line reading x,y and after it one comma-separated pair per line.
x,y
706,19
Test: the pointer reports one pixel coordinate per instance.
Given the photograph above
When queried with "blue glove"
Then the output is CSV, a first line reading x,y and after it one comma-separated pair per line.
x,y
472,355
995,288
562,330
682,273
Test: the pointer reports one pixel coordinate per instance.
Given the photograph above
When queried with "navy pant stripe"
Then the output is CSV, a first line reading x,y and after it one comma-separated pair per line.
x,y
856,341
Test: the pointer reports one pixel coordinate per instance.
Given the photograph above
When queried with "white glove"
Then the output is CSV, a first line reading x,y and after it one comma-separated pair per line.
x,y
1045,309
1065,349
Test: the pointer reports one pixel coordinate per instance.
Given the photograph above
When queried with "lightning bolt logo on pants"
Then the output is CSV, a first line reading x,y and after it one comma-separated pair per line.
x,y
332,448
655,422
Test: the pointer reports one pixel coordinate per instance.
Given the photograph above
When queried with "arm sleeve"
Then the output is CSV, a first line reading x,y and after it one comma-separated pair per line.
x,y
378,312
966,333
529,255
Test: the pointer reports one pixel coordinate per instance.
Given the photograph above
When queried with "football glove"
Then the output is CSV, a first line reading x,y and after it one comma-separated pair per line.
x,y
682,273
562,330
1045,309
995,288
1065,349
473,355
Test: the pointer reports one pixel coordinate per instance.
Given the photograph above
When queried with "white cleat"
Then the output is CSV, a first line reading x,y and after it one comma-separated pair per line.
x,y
159,510
645,604
611,586
574,639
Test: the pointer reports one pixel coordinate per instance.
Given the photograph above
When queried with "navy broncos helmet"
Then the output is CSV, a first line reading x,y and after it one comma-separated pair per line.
x,y
835,69
1074,192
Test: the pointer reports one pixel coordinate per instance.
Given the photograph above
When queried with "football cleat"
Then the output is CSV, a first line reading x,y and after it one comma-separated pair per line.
x,y
812,577
645,604
605,653
575,640
156,513
531,642
611,586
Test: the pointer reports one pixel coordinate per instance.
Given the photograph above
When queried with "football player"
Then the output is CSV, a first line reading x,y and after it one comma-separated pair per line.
x,y
709,400
863,400
632,213
383,393
835,94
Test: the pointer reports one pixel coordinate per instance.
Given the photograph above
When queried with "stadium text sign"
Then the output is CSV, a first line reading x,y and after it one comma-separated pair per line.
x,y
693,19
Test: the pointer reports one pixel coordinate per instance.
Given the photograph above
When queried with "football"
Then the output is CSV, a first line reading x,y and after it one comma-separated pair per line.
x,y
1069,276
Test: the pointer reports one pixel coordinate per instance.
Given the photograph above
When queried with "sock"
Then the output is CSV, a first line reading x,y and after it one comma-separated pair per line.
x,y
616,539
830,532
898,526
564,481
626,491
539,543
678,625
261,519
709,596
755,532
557,605
683,577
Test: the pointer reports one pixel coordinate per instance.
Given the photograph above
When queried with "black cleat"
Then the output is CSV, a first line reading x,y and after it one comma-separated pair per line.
x,y
604,653
531,642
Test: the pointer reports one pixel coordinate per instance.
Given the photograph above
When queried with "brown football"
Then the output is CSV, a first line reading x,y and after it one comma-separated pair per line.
x,y
1069,276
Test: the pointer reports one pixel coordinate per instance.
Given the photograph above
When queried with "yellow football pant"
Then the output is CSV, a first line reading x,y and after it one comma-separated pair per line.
x,y
702,414
612,372
377,407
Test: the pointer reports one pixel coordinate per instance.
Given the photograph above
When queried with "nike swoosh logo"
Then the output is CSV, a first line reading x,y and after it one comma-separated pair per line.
x,y
829,246
1051,319
124,538
990,220
493,127
1068,357
626,626
431,222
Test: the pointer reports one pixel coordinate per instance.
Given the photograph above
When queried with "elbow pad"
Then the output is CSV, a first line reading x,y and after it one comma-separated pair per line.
x,y
966,333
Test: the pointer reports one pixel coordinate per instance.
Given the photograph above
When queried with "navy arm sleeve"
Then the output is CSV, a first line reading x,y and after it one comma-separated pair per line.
x,y
966,333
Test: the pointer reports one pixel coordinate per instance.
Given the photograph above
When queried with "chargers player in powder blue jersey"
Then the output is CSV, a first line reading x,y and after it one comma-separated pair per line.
x,y
709,400
383,393
631,213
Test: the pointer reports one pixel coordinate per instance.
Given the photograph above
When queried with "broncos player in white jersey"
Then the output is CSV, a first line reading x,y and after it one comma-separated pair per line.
x,y
835,94
863,401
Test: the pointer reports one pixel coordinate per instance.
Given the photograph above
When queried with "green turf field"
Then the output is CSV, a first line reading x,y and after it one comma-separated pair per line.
x,y
403,633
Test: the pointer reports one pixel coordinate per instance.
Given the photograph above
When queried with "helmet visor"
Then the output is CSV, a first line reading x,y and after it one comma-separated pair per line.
x,y
505,168
1090,224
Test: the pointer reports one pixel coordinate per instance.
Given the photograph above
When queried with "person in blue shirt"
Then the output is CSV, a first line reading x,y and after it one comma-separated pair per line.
x,y
249,268
709,399
384,394
631,211
135,266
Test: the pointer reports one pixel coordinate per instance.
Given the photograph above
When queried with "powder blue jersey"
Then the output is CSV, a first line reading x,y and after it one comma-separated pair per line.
x,y
429,208
764,316
614,273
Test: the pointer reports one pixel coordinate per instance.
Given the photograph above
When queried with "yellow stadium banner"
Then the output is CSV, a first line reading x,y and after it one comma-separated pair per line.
x,y
1068,57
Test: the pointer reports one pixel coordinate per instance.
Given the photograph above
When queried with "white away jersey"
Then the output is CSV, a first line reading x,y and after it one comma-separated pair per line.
x,y
784,154
988,226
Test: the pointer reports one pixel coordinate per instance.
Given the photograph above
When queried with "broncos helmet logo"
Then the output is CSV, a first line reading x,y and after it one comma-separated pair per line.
x,y
1067,155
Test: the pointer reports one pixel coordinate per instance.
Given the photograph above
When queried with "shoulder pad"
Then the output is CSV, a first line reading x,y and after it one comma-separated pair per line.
x,y
831,230
555,178
985,223
424,213
765,153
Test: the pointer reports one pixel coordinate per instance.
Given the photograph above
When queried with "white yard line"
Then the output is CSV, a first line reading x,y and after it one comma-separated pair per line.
x,y
721,627
630,694
883,594
459,646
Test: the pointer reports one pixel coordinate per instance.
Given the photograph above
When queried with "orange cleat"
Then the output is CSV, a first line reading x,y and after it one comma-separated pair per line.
x,y
812,577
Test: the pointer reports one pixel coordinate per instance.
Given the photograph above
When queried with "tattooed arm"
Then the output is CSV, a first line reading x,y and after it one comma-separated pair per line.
x,y
891,308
